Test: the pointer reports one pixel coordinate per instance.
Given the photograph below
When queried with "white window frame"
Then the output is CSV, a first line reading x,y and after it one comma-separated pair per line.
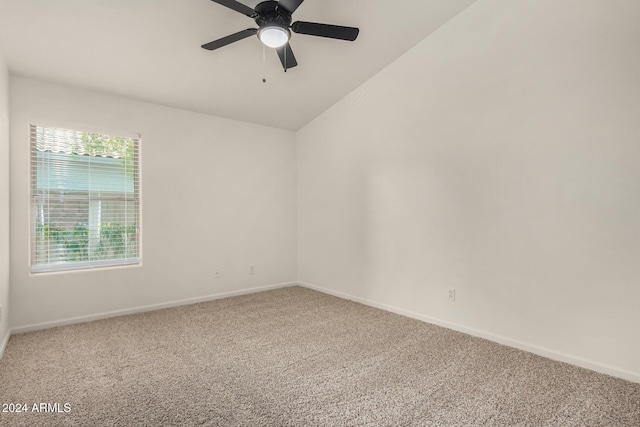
x,y
92,264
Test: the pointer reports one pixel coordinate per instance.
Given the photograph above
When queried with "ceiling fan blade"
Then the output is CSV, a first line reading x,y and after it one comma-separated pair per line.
x,y
287,57
290,5
216,44
325,30
238,7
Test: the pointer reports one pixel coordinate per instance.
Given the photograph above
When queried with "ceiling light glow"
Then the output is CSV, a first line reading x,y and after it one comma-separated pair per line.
x,y
274,37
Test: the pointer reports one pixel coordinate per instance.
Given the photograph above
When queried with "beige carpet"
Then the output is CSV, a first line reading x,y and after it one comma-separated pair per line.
x,y
295,357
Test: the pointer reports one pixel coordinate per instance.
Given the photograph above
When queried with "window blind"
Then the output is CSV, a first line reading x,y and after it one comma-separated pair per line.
x,y
85,200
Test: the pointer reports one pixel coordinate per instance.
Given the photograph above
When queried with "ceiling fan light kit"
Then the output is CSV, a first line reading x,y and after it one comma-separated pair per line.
x,y
275,27
274,36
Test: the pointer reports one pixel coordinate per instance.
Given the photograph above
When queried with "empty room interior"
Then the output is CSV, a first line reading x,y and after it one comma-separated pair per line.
x,y
319,213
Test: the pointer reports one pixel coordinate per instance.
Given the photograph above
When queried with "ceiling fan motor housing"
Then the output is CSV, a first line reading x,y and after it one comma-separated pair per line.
x,y
271,14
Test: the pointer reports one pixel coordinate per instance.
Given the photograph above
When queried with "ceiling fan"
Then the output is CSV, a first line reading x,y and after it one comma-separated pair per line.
x,y
274,28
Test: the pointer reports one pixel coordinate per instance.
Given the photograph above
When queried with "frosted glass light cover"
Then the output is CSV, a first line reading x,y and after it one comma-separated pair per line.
x,y
273,36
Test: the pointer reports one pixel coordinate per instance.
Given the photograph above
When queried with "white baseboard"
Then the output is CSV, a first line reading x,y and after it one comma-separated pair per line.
x,y
141,309
4,342
531,348
541,351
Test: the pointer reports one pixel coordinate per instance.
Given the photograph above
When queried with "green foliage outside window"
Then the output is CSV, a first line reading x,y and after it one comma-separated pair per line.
x,y
114,240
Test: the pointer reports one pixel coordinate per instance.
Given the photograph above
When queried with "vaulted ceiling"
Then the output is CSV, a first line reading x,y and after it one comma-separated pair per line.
x,y
150,50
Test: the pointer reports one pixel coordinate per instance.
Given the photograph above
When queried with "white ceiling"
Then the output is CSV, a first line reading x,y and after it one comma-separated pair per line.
x,y
150,50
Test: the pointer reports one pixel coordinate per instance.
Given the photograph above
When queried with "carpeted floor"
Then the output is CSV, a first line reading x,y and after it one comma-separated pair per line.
x,y
294,357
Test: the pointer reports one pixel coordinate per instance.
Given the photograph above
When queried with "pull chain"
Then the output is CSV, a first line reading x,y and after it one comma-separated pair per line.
x,y
264,64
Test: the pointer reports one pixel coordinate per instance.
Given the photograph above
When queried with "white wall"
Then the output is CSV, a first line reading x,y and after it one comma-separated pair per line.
x,y
4,201
216,193
498,157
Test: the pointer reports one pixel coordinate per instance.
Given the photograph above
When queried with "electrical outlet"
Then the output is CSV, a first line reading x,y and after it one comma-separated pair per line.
x,y
216,274
252,270
452,295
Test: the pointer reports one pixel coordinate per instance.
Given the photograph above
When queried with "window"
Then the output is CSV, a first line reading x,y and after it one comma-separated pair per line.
x,y
85,200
